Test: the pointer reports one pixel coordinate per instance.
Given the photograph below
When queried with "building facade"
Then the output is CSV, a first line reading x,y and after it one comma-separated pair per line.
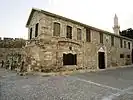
x,y
58,43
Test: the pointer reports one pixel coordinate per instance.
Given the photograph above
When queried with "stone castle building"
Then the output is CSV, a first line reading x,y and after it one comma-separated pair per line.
x,y
58,43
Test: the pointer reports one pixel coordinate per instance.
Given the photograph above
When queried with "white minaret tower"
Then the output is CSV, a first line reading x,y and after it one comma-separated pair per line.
x,y
116,27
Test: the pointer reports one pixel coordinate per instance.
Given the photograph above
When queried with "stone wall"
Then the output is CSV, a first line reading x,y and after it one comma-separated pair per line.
x,y
12,50
12,43
48,55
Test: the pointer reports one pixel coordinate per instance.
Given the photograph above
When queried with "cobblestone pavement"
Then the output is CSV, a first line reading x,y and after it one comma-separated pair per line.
x,y
104,85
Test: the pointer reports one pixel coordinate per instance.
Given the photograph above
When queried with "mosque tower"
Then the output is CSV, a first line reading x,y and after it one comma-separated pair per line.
x,y
116,27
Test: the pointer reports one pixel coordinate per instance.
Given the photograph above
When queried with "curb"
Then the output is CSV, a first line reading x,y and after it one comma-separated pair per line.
x,y
73,72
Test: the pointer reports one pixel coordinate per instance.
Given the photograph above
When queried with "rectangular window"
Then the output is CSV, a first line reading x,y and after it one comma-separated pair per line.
x,y
101,37
69,32
36,30
30,33
128,45
112,40
128,56
88,35
124,44
79,34
56,29
121,55
121,43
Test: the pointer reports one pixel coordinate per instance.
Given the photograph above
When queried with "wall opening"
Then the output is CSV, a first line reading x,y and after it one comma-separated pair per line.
x,y
56,29
30,33
36,30
132,56
69,59
69,32
101,60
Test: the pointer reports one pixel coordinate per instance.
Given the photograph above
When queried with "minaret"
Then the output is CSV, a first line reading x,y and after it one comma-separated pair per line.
x,y
116,27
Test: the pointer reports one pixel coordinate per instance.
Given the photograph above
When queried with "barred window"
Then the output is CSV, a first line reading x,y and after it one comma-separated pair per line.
x,y
79,34
101,37
124,44
30,33
69,32
128,56
121,43
128,45
56,29
121,55
88,35
112,40
36,30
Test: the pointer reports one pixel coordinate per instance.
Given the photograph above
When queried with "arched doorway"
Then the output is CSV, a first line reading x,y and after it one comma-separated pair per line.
x,y
69,59
101,60
102,57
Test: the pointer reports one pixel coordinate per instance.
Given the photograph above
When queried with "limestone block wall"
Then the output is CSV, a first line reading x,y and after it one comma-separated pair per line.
x,y
10,45
6,52
13,55
40,55
12,50
90,56
112,53
48,55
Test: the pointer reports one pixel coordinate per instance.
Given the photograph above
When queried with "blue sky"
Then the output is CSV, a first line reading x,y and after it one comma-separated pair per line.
x,y
98,13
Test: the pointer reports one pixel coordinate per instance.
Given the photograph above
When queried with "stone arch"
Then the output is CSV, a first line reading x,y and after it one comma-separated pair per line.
x,y
102,58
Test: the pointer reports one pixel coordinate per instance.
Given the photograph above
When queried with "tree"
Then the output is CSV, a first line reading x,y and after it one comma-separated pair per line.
x,y
127,33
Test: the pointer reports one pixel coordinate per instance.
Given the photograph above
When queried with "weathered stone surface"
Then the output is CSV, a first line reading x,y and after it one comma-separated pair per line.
x,y
46,51
11,51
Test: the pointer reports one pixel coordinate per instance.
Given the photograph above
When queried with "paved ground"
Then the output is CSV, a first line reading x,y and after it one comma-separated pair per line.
x,y
104,85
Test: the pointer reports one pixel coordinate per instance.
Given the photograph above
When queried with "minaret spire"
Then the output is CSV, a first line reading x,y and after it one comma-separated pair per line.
x,y
116,27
